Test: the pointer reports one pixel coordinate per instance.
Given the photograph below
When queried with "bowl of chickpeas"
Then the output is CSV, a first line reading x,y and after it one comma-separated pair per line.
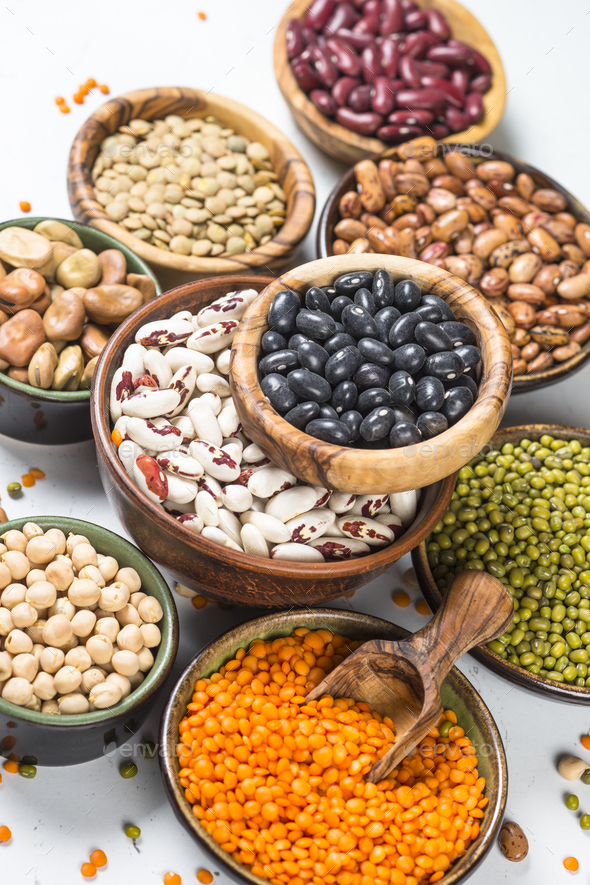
x,y
88,637
271,785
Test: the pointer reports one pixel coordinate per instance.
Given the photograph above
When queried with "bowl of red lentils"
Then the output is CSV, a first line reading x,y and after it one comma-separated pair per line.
x,y
274,788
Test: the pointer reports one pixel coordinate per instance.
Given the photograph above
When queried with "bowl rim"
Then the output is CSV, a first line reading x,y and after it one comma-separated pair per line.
x,y
167,649
298,100
167,522
520,383
70,396
299,216
556,690
262,626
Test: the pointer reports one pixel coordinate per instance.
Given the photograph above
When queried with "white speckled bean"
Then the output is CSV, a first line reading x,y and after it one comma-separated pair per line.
x,y
216,462
296,553
182,315
210,485
233,450
133,360
210,339
214,400
270,481
156,364
230,524
222,362
121,389
121,426
219,537
291,503
161,333
208,382
149,436
128,452
258,505
185,425
181,490
253,454
236,498
253,541
341,502
392,521
249,295
180,464
192,521
312,524
370,505
272,529
323,496
336,548
232,307
233,441
183,383
228,418
157,490
204,421
369,530
181,356
206,508
151,403
404,505
176,509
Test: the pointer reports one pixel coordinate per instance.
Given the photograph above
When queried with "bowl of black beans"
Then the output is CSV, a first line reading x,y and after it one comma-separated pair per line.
x,y
361,371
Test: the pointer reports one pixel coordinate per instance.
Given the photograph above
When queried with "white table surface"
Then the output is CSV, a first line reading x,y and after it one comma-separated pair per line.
x,y
47,49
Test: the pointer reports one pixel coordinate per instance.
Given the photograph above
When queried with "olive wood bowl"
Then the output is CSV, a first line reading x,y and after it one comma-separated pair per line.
x,y
55,417
559,691
72,739
343,144
457,694
361,471
478,153
294,175
224,574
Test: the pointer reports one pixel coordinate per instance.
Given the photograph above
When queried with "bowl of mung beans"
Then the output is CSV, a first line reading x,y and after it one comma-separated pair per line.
x,y
285,780
520,511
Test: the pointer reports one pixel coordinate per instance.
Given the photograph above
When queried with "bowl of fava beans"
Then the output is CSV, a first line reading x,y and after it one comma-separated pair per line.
x,y
521,512
249,687
89,635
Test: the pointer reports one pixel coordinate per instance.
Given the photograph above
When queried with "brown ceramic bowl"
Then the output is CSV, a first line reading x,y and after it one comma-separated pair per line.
x,y
345,145
219,572
571,694
330,217
457,694
361,471
294,175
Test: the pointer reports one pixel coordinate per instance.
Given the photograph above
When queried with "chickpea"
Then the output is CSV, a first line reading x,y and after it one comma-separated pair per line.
x,y
50,707
100,649
5,666
108,567
43,686
15,540
18,642
6,622
24,615
18,564
83,623
60,573
83,592
79,658
70,644
75,702
33,704
41,594
52,659
92,677
36,631
146,660
25,665
136,598
125,662
136,680
108,627
105,694
31,530
59,540
40,549
130,577
151,635
73,540
17,690
130,638
122,682
57,631
67,679
83,554
114,597
128,615
62,606
12,595
150,610
5,576
92,573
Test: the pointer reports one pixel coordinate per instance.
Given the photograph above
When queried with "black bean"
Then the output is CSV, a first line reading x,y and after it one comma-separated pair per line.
x,y
348,283
283,312
456,404
430,394
352,420
372,398
376,351
330,292
344,396
315,324
405,414
377,424
313,356
339,341
385,318
358,322
447,313
462,381
459,333
402,388
272,341
309,385
296,340
404,434
342,364
407,295
327,411
409,357
444,365
338,305
281,361
402,331
302,414
329,430
432,338
278,392
431,424
371,375
338,327
316,299
364,298
471,356
430,313
383,289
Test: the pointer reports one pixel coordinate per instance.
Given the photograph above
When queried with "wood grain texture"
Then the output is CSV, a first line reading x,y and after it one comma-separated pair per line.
x,y
345,145
330,217
362,471
457,694
218,572
558,691
403,680
294,175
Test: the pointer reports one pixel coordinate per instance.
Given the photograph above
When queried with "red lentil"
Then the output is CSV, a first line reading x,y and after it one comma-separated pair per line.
x,y
28,480
5,834
202,15
205,877
401,598
104,89
199,601
98,858
88,870
11,767
586,741
36,473
171,879
571,864
24,206
422,607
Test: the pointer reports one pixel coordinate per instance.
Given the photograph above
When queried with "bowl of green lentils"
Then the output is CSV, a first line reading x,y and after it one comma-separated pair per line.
x,y
521,511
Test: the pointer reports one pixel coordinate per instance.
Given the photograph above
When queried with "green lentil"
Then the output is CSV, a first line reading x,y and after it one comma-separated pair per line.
x,y
28,771
134,832
148,750
129,770
585,821
572,802
14,488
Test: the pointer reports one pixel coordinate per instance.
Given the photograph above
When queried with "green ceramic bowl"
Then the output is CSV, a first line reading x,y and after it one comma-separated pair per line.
x,y
69,740
54,417
457,694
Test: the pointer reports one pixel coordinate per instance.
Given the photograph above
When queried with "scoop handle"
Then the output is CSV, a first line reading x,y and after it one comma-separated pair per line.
x,y
475,608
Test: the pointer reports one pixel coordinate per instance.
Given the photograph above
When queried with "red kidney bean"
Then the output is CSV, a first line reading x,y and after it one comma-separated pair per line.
x,y
452,55
371,63
415,20
481,83
456,121
439,130
323,102
366,26
454,95
359,99
358,3
363,124
342,89
415,45
460,79
481,63
409,5
397,84
382,96
318,13
410,74
344,57
305,76
372,9
310,36
433,69
473,108
344,16
437,24
422,99
411,118
295,42
393,17
323,65
396,134
358,41
389,57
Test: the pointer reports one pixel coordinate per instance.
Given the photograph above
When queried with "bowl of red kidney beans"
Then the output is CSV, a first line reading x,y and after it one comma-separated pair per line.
x,y
360,75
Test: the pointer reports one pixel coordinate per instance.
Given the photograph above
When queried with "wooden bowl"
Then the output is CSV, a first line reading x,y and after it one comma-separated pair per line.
x,y
219,572
70,740
56,417
457,694
345,145
294,175
555,690
330,217
361,471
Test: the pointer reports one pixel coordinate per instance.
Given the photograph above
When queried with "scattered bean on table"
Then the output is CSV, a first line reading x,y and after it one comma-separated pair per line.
x,y
5,834
132,832
572,864
586,741
98,858
513,842
24,206
129,770
572,802
572,768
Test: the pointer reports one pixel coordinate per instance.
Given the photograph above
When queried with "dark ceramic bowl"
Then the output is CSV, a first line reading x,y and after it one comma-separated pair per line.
x,y
571,694
330,217
224,574
69,740
457,694
55,417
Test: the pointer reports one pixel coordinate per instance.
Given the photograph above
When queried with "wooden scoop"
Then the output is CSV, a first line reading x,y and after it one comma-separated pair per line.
x,y
402,679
